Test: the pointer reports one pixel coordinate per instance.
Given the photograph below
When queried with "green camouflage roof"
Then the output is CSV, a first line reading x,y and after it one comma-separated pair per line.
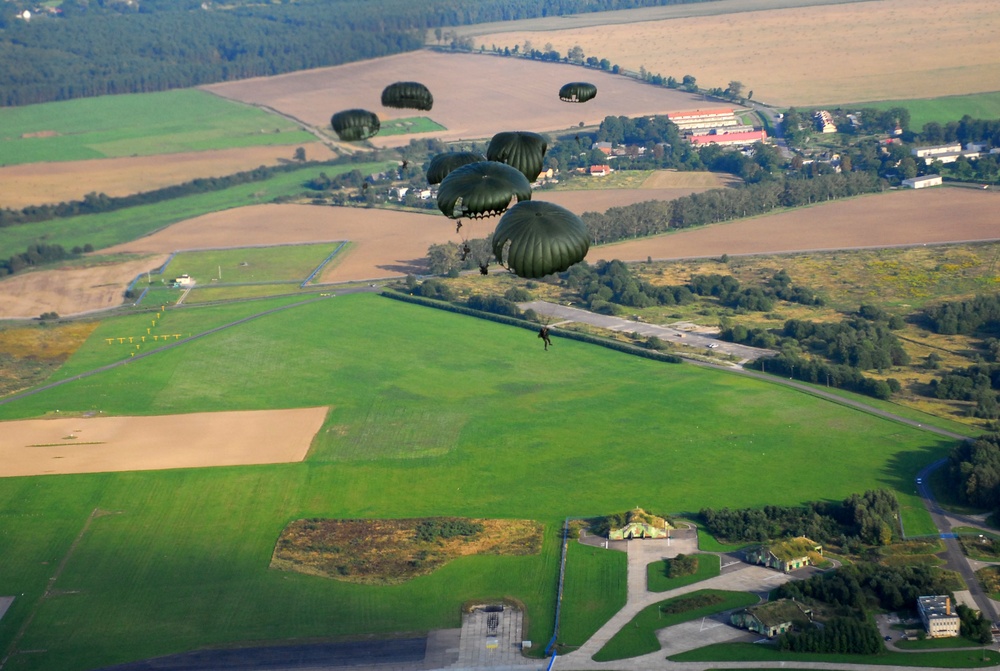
x,y
793,548
775,613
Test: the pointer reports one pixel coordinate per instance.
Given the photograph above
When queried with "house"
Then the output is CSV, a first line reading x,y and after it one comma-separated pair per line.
x,y
184,280
939,617
772,618
922,182
728,138
787,555
603,147
600,170
640,524
824,121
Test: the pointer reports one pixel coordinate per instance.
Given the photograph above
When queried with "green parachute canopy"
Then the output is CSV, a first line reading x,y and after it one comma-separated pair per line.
x,y
535,239
442,164
521,149
577,92
482,189
407,94
355,125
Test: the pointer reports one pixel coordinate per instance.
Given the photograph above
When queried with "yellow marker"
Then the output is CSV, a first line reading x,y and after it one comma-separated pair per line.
x,y
147,330
144,338
130,339
121,340
110,340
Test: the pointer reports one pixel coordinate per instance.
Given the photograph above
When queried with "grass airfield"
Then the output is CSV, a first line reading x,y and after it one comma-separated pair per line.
x,y
432,414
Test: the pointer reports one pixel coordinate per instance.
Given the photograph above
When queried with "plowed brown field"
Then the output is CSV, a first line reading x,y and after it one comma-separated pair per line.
x,y
821,55
42,183
475,96
101,444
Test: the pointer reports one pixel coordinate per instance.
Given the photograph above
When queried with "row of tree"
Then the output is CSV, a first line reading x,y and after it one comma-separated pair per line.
x,y
36,255
974,472
965,317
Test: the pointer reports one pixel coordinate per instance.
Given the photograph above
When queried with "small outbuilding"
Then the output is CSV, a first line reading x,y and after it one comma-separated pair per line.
x,y
922,182
772,618
787,555
640,524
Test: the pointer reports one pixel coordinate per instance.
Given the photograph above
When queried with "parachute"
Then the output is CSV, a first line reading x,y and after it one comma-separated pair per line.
x,y
355,125
407,94
442,164
535,239
482,189
520,149
577,92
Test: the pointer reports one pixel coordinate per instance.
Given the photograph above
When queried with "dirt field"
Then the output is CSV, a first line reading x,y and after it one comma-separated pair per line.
x,y
101,444
70,291
474,96
829,54
926,216
41,183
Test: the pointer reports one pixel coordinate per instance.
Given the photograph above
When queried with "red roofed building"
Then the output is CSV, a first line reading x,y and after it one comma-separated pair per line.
x,y
729,139
600,170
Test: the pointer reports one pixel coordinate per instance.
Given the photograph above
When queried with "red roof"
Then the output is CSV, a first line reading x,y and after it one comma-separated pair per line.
x,y
600,168
745,136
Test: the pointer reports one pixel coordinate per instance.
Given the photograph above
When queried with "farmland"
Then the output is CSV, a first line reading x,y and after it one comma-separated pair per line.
x,y
499,416
883,50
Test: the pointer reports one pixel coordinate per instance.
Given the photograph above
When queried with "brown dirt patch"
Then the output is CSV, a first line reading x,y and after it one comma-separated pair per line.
x,y
40,183
70,290
40,133
28,355
827,54
105,444
475,96
927,216
394,551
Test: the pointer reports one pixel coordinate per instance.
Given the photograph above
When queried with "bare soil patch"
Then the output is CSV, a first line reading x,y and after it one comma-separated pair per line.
x,y
475,96
72,290
41,183
104,444
393,551
40,133
30,354
818,55
927,216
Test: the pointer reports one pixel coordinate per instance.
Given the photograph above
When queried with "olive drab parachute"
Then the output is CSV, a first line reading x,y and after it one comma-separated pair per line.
x,y
407,94
442,164
577,92
355,125
520,149
482,189
535,239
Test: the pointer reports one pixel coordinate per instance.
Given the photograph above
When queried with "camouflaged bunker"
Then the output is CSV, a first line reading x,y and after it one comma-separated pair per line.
x,y
772,618
787,555
640,524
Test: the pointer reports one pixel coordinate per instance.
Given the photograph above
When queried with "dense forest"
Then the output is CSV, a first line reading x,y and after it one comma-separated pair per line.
x,y
97,48
974,472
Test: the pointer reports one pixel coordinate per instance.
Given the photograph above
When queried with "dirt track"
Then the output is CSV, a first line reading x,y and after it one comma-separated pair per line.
x,y
101,444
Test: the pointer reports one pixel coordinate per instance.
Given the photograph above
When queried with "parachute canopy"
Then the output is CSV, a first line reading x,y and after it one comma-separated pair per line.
x,y
535,239
442,164
355,125
520,149
407,94
577,92
482,189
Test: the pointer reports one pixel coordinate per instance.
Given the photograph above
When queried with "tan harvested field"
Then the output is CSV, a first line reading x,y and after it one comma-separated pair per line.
x,y
475,96
103,444
927,216
70,291
42,183
819,55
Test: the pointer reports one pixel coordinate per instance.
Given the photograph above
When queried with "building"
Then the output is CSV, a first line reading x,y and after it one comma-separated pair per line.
x,y
640,524
603,147
938,615
824,121
936,150
787,555
772,618
600,170
184,280
696,119
922,182
729,138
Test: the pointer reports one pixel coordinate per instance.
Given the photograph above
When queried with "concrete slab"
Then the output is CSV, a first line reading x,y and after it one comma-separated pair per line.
x,y
5,602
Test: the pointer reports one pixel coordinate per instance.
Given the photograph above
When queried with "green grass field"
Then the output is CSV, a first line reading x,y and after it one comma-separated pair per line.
x,y
747,652
137,125
594,590
418,124
943,110
111,228
638,637
709,566
515,432
280,263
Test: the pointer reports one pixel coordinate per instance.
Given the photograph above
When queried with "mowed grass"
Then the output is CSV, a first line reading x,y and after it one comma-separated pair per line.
x,y
594,589
282,263
111,228
418,124
657,580
943,110
531,434
137,125
749,652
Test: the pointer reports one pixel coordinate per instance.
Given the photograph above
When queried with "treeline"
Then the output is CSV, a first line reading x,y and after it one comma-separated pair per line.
x,y
838,635
95,203
36,255
965,130
867,585
101,48
974,472
653,217
868,519
979,383
965,317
